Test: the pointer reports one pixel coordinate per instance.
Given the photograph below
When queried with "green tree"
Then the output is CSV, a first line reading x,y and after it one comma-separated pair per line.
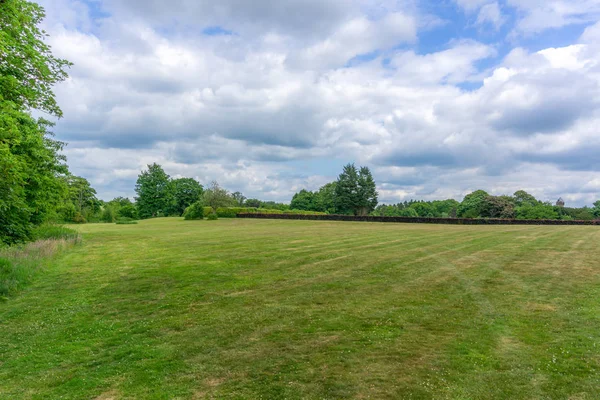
x,y
215,196
522,198
473,205
367,192
596,209
346,190
28,70
238,198
30,164
186,191
254,203
324,199
154,192
303,200
498,207
81,193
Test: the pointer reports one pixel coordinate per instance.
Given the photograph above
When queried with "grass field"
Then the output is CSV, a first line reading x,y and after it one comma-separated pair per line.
x,y
253,309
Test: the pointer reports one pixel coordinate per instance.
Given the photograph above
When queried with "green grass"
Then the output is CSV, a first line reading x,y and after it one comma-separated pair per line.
x,y
235,308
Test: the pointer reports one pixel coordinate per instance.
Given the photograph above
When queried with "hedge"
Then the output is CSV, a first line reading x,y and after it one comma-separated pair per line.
x,y
417,220
233,212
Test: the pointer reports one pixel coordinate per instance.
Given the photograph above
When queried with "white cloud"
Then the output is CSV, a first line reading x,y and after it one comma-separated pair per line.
x,y
246,109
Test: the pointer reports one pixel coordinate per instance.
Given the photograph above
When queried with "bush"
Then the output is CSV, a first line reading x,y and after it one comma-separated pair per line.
x,y
212,217
128,211
194,212
207,211
79,219
108,215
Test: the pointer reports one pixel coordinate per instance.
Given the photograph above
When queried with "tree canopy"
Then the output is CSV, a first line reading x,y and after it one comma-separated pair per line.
x,y
31,165
154,192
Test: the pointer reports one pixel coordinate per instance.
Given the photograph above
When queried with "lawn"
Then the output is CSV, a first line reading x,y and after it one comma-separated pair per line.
x,y
172,309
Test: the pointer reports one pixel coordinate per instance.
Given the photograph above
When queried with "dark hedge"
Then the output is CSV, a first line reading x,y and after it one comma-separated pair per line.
x,y
418,220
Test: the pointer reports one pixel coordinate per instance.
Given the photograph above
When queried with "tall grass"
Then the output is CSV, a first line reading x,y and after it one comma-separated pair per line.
x,y
20,264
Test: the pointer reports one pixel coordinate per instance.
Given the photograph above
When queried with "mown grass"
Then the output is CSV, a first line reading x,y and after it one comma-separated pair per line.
x,y
304,309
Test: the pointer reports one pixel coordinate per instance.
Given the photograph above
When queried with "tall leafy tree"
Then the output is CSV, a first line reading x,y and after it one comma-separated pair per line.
x,y
367,192
186,191
473,204
355,192
28,70
596,209
303,200
30,160
154,192
346,190
324,200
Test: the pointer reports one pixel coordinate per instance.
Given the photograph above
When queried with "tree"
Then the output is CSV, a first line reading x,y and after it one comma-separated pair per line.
x,y
303,200
596,209
498,207
30,160
238,198
81,193
154,192
523,198
346,190
367,192
186,191
324,199
472,205
215,196
254,203
355,192
28,69
537,211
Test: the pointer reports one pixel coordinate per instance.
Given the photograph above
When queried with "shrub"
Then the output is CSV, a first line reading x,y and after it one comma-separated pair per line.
x,y
79,219
207,211
212,217
128,211
194,212
108,214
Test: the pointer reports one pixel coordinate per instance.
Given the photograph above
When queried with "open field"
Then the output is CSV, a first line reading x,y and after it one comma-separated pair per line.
x,y
307,309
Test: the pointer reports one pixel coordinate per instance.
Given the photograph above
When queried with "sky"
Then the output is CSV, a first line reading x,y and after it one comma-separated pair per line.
x,y
437,98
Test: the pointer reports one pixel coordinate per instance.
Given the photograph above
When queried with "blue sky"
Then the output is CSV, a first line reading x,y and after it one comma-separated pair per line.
x,y
438,98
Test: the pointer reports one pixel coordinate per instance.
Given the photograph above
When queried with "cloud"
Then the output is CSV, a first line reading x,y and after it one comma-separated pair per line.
x,y
272,107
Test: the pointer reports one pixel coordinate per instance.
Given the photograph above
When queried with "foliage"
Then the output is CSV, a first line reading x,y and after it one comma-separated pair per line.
x,y
536,211
473,205
215,196
303,200
596,209
238,198
212,216
30,163
354,191
154,192
28,69
195,211
255,203
108,214
498,207
186,191
30,166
